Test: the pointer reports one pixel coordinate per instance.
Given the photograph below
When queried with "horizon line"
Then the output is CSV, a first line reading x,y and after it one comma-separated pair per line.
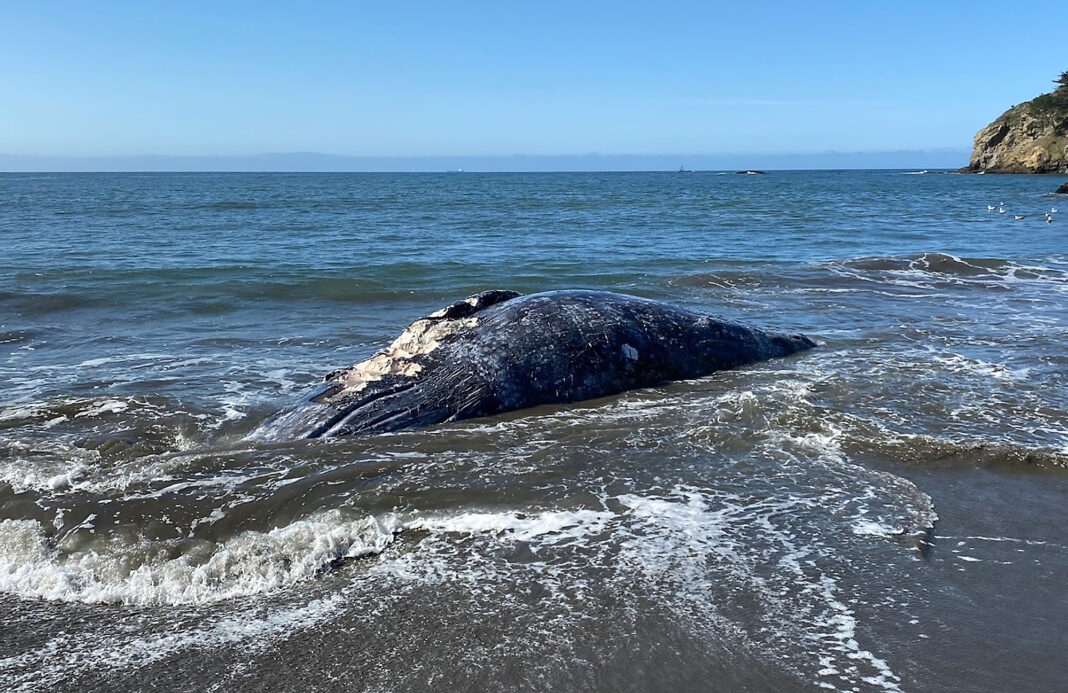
x,y
478,172
513,155
316,162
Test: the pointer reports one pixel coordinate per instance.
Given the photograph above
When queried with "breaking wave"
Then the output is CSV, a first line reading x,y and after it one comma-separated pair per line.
x,y
143,571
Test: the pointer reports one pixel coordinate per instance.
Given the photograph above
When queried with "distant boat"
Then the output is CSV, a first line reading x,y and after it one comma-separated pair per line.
x,y
750,172
683,170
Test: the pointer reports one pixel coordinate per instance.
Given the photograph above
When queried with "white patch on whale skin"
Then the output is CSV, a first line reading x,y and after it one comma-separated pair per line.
x,y
419,338
630,352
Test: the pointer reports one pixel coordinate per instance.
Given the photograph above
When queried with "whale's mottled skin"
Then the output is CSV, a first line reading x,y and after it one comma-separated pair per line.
x,y
499,351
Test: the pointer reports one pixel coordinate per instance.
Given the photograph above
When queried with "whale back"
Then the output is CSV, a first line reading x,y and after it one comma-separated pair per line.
x,y
499,351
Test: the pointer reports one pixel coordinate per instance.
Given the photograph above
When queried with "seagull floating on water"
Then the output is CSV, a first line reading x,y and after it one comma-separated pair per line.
x,y
990,207
1053,209
1001,210
1019,217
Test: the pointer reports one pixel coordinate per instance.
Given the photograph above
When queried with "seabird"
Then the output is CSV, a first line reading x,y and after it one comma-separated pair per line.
x,y
990,207
1018,217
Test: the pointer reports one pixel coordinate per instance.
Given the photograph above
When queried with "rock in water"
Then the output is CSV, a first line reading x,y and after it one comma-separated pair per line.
x,y
498,351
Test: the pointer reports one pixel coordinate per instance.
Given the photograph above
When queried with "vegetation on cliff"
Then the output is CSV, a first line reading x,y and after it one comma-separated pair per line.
x,y
1052,108
1031,137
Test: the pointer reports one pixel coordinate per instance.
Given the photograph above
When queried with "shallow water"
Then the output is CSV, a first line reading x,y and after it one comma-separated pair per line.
x,y
885,512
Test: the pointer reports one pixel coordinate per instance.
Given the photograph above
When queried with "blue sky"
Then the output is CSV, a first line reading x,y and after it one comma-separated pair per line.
x,y
502,78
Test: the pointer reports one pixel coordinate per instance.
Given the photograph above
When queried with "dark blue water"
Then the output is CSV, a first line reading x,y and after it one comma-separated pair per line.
x,y
885,512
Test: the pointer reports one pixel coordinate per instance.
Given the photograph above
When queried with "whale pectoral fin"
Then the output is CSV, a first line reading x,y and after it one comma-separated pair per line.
x,y
473,304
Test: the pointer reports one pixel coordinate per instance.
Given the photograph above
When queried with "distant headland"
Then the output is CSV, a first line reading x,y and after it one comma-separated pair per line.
x,y
1031,137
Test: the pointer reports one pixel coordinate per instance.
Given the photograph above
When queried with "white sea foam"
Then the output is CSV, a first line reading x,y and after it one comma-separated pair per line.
x,y
694,535
678,543
956,363
25,411
27,470
58,467
1014,540
50,664
864,527
547,527
682,542
931,270
137,572
110,406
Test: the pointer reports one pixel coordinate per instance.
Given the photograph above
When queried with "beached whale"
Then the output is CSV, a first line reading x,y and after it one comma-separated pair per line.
x,y
498,351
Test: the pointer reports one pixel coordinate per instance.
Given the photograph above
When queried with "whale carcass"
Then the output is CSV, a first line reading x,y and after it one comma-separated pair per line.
x,y
499,351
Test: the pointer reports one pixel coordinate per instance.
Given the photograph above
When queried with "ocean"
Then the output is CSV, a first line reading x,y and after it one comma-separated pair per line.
x,y
885,512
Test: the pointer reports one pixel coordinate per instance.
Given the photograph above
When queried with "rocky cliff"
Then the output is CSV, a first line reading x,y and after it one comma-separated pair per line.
x,y
1031,137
